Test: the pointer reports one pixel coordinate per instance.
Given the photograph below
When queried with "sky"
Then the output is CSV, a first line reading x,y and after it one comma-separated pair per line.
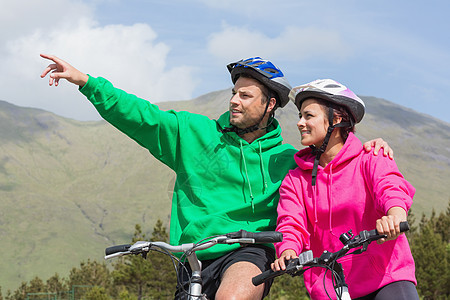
x,y
163,50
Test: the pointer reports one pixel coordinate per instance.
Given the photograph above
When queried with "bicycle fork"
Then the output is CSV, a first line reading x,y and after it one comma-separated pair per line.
x,y
341,288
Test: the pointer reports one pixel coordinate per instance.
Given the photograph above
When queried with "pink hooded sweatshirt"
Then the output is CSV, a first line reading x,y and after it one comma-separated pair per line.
x,y
353,191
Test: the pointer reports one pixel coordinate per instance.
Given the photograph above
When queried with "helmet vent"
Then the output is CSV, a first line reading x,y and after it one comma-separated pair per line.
x,y
332,86
270,70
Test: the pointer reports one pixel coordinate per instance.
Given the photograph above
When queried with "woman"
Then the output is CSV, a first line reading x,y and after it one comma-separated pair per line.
x,y
338,186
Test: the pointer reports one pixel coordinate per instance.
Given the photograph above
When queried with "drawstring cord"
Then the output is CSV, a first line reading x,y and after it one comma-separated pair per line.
x,y
330,200
246,175
315,204
262,167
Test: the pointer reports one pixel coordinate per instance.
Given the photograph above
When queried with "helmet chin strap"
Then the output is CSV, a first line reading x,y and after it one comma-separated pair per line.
x,y
241,131
319,151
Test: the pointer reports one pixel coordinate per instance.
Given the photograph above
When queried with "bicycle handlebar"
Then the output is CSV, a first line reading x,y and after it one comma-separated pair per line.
x,y
295,266
241,236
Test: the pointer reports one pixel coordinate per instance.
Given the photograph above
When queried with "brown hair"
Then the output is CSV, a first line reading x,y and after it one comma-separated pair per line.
x,y
339,111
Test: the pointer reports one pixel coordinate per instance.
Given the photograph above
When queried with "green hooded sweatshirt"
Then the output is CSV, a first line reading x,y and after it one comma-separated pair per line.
x,y
223,183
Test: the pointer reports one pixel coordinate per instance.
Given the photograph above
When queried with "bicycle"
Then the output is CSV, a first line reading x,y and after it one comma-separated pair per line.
x,y
189,253
328,260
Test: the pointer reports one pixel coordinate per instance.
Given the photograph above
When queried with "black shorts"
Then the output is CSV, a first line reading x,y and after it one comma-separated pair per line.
x,y
399,290
213,270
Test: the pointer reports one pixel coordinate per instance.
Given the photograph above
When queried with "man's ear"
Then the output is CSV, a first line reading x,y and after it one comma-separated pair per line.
x,y
272,103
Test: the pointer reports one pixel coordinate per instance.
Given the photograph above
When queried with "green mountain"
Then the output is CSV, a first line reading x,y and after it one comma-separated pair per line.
x,y
68,189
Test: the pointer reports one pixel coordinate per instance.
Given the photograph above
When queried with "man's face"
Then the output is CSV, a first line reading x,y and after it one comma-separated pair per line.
x,y
246,104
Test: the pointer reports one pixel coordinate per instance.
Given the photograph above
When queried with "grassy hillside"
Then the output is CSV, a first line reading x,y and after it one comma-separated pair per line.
x,y
68,189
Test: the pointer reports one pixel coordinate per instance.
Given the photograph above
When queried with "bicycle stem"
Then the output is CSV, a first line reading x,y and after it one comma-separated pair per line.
x,y
195,286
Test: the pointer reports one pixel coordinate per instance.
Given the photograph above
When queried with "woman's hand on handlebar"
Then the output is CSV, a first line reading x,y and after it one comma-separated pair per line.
x,y
280,263
389,225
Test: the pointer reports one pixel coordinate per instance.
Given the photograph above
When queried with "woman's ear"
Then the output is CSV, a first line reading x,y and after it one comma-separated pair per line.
x,y
337,120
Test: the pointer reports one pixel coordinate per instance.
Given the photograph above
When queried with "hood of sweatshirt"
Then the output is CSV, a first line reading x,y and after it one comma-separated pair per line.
x,y
262,144
270,139
305,161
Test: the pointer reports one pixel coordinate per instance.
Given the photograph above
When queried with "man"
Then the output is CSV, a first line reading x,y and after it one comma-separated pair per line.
x,y
228,170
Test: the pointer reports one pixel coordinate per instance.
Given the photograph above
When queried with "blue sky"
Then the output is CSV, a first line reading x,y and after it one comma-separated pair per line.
x,y
178,50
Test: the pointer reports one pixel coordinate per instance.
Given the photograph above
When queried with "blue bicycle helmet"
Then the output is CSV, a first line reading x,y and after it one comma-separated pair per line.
x,y
265,72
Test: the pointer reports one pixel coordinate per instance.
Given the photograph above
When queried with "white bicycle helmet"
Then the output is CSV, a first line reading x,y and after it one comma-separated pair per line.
x,y
330,91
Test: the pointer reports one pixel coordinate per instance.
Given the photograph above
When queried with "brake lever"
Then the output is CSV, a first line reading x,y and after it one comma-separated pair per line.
x,y
295,266
364,238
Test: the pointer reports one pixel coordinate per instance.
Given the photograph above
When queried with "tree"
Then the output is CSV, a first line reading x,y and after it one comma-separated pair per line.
x,y
20,293
286,288
432,255
133,271
90,274
443,224
125,295
412,226
97,293
57,285
153,277
163,282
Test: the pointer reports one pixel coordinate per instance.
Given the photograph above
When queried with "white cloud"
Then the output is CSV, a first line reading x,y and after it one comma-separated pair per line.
x,y
293,43
258,9
129,56
23,17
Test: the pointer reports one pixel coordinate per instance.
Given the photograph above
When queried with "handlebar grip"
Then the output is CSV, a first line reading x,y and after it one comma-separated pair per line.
x,y
266,275
116,249
292,266
265,237
259,237
404,226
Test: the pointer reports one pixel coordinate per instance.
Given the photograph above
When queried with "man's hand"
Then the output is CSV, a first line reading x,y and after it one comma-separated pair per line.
x,y
60,69
377,144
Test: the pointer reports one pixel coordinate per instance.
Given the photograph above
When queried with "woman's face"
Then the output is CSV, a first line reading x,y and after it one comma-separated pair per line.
x,y
313,123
